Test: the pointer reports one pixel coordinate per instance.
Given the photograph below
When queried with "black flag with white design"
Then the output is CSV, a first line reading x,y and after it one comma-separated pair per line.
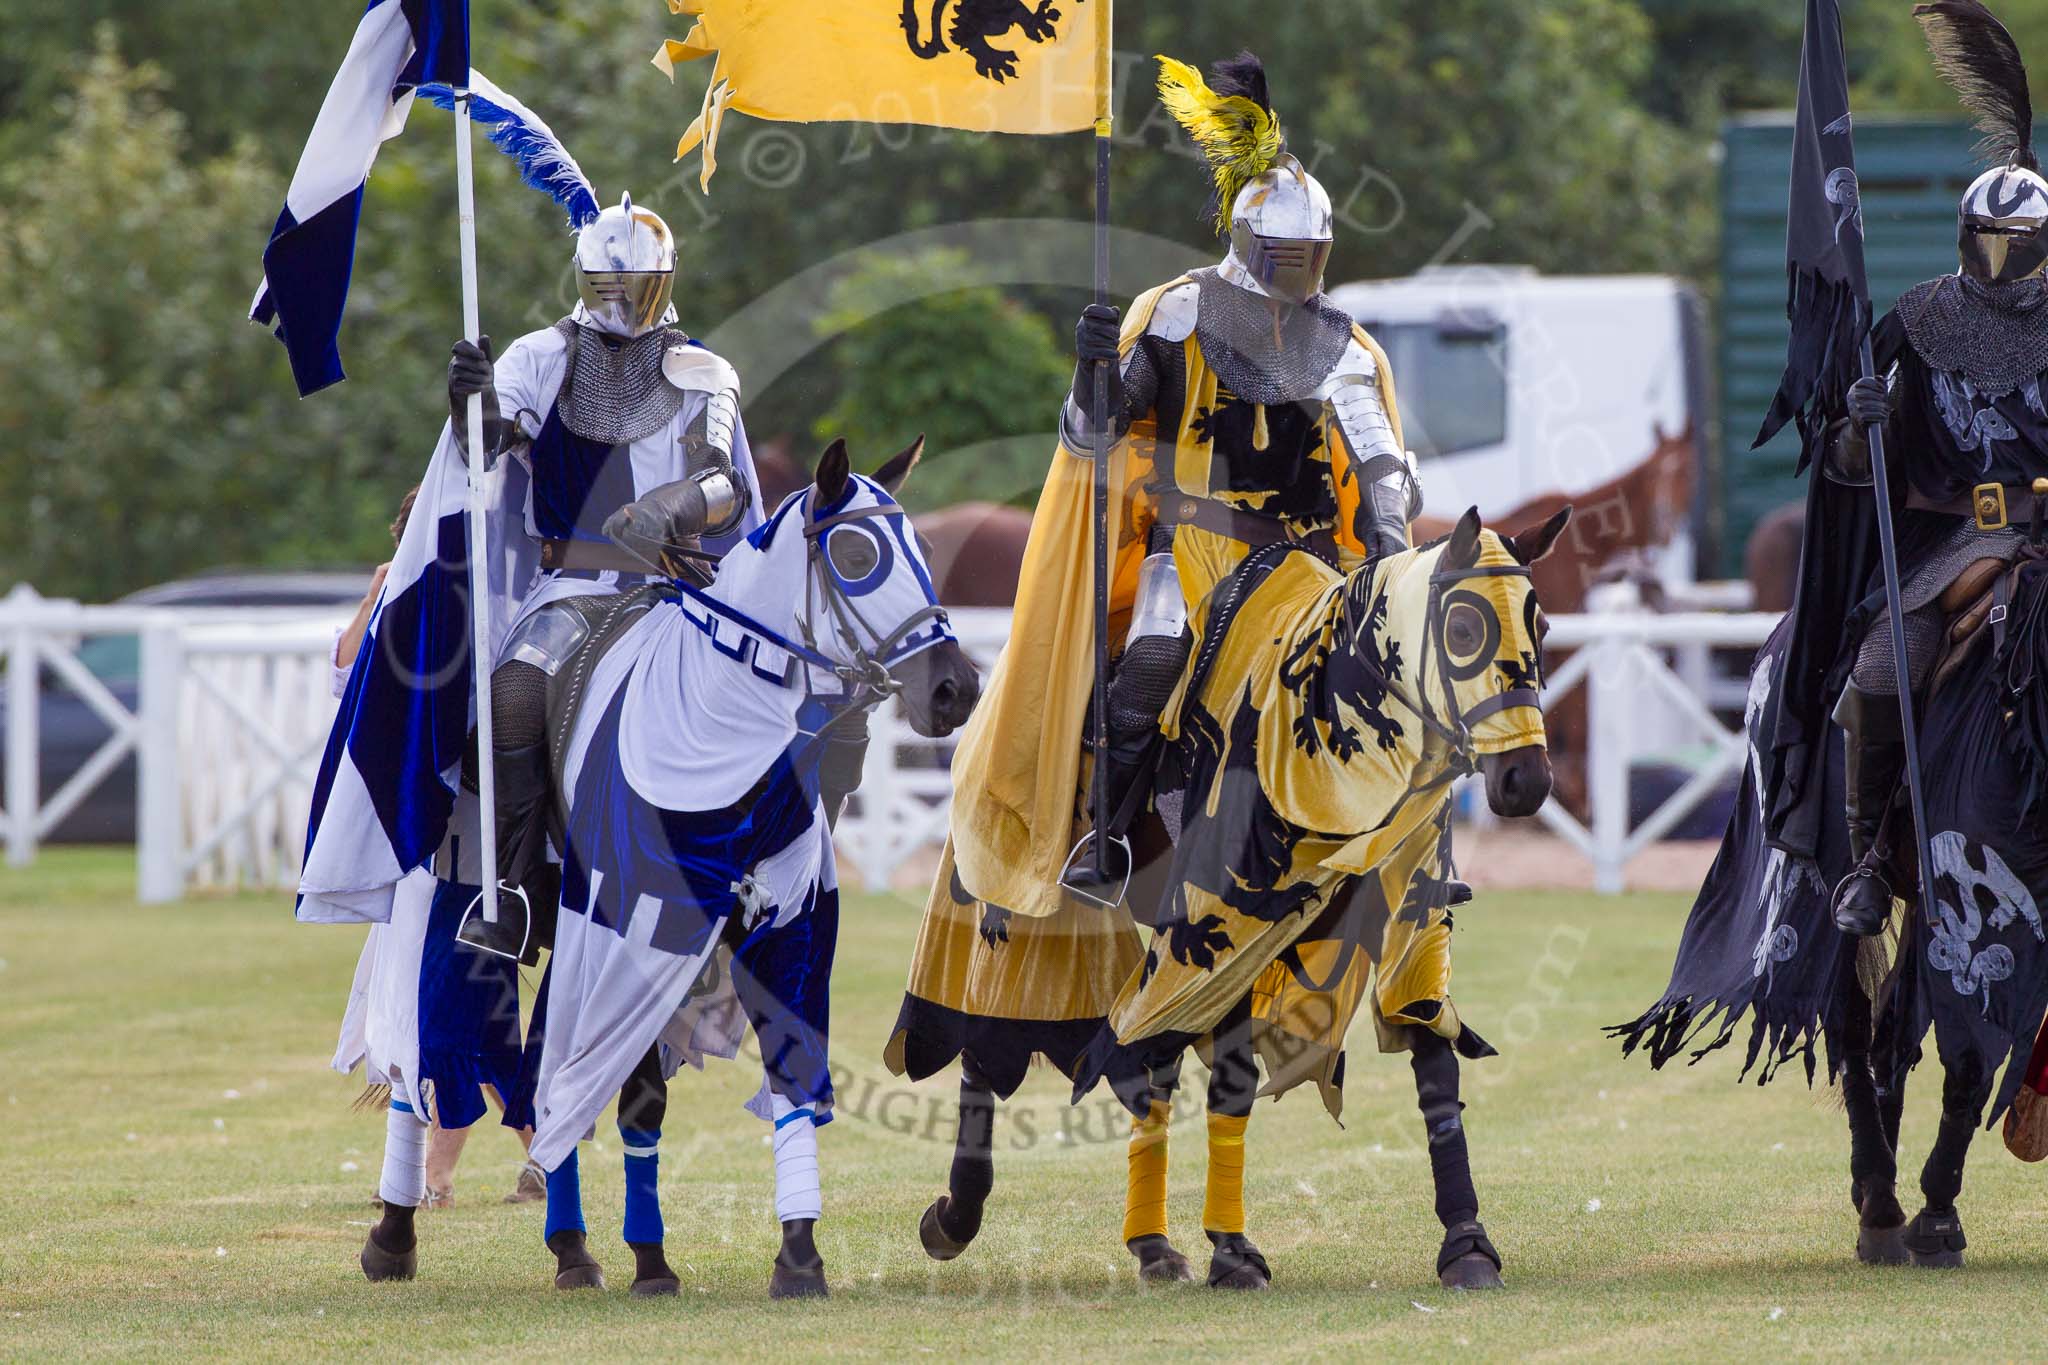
x,y
1829,293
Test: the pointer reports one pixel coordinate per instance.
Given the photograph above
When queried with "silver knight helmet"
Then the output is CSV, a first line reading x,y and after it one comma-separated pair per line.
x,y
1277,218
2001,220
626,270
1281,232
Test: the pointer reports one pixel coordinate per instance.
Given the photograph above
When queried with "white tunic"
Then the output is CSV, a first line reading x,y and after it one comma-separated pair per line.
x,y
528,379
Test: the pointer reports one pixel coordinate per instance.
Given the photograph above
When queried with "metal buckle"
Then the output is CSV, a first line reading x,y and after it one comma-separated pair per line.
x,y
1987,500
1998,615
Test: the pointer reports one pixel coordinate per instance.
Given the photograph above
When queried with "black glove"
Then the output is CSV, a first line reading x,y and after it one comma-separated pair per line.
x,y
469,368
470,371
1097,333
1096,338
1869,402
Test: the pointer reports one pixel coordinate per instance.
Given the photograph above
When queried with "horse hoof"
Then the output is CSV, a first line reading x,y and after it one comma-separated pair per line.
x,y
1468,1259
580,1277
1935,1241
1236,1263
792,1282
380,1265
1158,1262
1473,1270
932,1232
660,1287
575,1267
532,1187
1882,1246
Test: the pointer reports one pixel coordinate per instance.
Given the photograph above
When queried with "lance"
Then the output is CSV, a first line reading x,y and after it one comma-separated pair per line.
x,y
1888,552
479,537
1098,418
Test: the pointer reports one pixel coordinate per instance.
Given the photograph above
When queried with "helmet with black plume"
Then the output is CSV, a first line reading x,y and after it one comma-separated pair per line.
x,y
1277,217
2002,226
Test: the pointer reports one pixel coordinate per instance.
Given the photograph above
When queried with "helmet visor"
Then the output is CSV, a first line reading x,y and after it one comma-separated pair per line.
x,y
1998,250
1290,267
627,303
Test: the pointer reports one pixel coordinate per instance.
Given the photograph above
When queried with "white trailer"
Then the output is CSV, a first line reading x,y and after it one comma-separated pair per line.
x,y
1518,390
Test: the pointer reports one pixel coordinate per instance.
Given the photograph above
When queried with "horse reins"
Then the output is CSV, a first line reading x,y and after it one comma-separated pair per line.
x,y
1457,733
866,676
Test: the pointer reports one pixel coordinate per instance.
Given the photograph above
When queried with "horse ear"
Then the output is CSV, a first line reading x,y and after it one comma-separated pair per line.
x,y
834,468
1531,545
893,475
1463,550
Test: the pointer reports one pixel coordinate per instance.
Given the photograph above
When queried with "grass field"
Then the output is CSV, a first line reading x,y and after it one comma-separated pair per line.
x,y
182,1176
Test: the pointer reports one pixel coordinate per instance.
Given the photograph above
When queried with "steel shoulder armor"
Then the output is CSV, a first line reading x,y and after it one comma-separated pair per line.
x,y
1390,489
713,434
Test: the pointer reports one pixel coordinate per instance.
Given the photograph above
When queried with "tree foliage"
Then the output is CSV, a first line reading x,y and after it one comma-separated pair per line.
x,y
150,431
963,411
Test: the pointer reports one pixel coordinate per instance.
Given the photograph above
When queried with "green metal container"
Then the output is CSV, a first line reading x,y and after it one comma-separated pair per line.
x,y
1912,174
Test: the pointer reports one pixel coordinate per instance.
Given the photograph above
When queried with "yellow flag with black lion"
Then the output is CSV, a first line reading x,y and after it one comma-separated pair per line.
x,y
991,66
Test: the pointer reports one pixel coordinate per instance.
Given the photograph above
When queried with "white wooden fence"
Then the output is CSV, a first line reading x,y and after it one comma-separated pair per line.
x,y
234,711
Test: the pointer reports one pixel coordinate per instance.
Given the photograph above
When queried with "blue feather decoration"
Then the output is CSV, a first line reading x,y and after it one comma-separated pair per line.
x,y
518,132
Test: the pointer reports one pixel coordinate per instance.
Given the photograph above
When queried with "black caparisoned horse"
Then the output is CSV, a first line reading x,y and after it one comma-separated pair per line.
x,y
1973,967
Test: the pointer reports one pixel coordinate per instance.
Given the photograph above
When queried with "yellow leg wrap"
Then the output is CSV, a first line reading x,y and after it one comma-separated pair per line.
x,y
1145,1196
1223,1204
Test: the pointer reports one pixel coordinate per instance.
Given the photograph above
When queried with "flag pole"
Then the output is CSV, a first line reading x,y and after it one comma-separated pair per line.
x,y
1098,417
479,525
1909,728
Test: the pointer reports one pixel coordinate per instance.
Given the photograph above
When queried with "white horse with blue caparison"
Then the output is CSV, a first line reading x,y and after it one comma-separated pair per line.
x,y
699,895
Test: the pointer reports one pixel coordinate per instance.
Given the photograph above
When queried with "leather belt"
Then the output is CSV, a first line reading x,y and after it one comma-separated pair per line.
x,y
1234,523
590,556
1992,506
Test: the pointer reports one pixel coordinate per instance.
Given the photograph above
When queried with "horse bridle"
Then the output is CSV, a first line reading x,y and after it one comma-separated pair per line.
x,y
866,677
868,674
1457,732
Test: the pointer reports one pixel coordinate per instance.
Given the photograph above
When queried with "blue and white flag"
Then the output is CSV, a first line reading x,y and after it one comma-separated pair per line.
x,y
399,46
386,795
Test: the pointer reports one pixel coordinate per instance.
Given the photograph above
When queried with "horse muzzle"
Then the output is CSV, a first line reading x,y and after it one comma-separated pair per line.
x,y
1518,781
940,686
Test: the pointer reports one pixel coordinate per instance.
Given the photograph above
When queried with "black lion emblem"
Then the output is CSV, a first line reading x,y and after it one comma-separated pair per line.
x,y
975,22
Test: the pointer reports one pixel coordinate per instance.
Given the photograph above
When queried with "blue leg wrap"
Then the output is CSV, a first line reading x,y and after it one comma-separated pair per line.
x,y
565,1199
643,1195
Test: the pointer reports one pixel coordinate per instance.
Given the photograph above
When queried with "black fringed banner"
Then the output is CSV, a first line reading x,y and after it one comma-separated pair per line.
x,y
1828,294
1759,943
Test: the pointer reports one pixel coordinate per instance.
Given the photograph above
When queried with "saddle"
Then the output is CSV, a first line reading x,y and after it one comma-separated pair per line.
x,y
609,618
1980,599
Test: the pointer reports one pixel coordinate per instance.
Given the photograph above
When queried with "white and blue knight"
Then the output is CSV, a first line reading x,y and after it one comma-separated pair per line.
x,y
636,457
1962,360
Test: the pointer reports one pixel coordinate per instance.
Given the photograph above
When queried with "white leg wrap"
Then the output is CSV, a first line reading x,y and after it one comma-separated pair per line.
x,y
796,1163
405,1159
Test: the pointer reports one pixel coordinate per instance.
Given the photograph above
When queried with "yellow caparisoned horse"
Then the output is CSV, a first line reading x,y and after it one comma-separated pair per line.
x,y
1305,789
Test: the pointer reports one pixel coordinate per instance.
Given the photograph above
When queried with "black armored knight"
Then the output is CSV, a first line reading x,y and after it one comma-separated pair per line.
x,y
1963,360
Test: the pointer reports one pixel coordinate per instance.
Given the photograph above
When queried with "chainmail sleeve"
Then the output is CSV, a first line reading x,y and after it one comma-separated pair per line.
x,y
1153,380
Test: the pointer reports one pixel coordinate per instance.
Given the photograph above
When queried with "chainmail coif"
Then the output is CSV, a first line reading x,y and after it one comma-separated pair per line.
x,y
1995,335
613,388
1237,331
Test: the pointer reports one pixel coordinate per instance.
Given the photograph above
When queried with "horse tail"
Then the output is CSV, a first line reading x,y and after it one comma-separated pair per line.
x,y
936,44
